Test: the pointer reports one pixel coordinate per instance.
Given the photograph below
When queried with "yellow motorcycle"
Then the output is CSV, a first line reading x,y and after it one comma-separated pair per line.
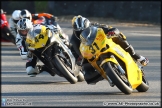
x,y
54,53
112,62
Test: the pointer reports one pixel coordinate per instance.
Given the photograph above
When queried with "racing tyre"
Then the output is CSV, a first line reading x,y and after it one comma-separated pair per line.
x,y
60,65
117,78
144,86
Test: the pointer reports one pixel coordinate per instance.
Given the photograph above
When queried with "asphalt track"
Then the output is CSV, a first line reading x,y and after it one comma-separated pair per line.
x,y
18,89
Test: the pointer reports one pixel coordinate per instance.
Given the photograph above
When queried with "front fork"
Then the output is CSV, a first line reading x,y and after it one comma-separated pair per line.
x,y
113,59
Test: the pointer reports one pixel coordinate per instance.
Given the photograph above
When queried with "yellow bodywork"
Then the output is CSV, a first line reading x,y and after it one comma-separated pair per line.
x,y
134,74
39,40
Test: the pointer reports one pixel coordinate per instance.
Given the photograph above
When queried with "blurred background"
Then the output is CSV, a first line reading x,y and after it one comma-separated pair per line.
x,y
145,11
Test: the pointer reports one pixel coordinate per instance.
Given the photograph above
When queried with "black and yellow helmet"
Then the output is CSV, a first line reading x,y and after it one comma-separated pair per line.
x,y
79,23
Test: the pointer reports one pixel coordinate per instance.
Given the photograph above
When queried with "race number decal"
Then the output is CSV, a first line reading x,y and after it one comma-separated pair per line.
x,y
93,47
39,37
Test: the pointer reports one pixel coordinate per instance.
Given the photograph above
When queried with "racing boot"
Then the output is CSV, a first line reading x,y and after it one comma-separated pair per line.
x,y
43,68
121,40
143,61
32,72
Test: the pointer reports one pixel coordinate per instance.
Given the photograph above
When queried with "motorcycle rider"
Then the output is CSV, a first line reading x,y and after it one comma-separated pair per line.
x,y
15,17
24,13
49,18
79,23
32,17
25,27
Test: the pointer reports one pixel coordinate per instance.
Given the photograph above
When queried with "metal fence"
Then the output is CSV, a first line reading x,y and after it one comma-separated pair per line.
x,y
148,11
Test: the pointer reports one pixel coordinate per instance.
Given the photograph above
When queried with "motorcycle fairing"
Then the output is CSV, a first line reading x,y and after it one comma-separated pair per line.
x,y
98,47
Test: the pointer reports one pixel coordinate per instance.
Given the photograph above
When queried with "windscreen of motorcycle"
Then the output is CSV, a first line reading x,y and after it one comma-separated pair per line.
x,y
88,35
37,37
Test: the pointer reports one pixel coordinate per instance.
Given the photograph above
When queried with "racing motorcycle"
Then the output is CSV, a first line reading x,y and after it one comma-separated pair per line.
x,y
40,20
57,57
112,62
6,35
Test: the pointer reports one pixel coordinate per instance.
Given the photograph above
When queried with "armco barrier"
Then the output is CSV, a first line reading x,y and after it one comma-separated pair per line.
x,y
148,11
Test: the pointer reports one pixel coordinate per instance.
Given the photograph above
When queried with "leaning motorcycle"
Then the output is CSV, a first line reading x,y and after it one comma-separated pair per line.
x,y
51,50
112,62
6,35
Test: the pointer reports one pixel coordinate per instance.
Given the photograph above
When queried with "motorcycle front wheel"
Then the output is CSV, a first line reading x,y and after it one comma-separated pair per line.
x,y
117,78
60,65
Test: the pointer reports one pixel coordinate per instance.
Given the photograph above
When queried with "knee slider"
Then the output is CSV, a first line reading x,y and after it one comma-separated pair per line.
x,y
122,36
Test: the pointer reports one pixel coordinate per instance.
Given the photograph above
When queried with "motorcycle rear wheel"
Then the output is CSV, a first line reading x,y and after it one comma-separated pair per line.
x,y
63,69
119,80
144,86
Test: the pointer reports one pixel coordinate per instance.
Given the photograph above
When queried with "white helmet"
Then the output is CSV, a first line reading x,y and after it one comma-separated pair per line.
x,y
24,24
25,14
16,15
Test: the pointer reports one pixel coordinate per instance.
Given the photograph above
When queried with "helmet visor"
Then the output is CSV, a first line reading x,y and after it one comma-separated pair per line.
x,y
15,21
77,27
27,17
23,32
88,35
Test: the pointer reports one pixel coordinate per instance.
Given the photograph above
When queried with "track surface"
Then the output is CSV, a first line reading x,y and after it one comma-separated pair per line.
x,y
17,88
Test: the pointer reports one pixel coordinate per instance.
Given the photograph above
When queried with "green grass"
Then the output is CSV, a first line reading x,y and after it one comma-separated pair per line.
x,y
41,6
